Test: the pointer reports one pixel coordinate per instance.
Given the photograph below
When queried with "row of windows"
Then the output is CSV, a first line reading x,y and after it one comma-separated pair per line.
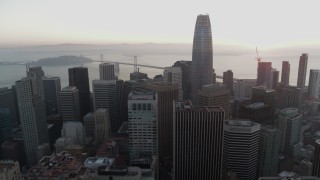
x,y
143,106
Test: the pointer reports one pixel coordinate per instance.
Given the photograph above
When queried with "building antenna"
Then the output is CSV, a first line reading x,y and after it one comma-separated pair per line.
x,y
135,64
258,58
101,58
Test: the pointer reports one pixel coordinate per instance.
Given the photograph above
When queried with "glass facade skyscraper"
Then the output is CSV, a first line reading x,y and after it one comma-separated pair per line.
x,y
202,73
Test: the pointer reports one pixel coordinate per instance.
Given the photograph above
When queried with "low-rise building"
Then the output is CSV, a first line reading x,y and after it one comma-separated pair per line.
x,y
57,166
10,170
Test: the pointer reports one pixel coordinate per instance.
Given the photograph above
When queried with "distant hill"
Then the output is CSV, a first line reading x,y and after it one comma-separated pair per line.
x,y
61,61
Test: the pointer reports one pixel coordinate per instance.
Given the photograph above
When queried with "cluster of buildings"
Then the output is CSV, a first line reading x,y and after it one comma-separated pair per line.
x,y
182,125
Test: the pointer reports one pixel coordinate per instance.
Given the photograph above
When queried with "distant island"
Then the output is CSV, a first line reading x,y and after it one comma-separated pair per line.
x,y
61,61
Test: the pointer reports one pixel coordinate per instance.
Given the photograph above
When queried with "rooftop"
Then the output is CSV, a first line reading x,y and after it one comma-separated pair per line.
x,y
241,123
186,105
95,162
69,88
55,166
257,105
8,164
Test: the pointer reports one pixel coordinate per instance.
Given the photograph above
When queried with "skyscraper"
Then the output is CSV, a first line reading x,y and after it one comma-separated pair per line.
x,y
186,69
36,74
142,122
69,103
5,124
89,124
269,151
41,119
165,94
52,88
202,73
290,123
316,161
215,95
173,75
264,74
106,71
303,63
198,142
285,74
27,119
7,100
240,148
289,96
228,80
314,83
102,125
275,78
78,77
74,130
105,96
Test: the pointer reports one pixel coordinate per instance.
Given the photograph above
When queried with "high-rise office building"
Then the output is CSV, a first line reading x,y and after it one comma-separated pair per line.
x,y
173,75
258,112
89,124
228,80
105,96
269,151
36,74
142,123
201,55
290,123
275,78
106,71
215,95
314,83
74,130
27,119
7,100
285,73
102,125
264,74
69,103
302,73
261,94
186,69
214,76
78,77
5,124
316,160
239,89
165,94
241,148
41,119
198,142
52,88
289,96
123,90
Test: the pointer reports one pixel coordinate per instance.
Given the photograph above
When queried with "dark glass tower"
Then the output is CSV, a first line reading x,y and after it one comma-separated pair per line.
x,y
78,77
285,74
202,73
303,63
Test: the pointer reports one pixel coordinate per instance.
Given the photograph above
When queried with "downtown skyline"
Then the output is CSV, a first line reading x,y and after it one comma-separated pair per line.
x,y
263,24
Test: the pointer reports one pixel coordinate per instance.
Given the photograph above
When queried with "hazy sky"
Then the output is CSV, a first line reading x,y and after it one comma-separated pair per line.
x,y
267,23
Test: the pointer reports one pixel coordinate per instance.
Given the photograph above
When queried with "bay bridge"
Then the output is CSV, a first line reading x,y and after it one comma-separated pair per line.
x,y
135,64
